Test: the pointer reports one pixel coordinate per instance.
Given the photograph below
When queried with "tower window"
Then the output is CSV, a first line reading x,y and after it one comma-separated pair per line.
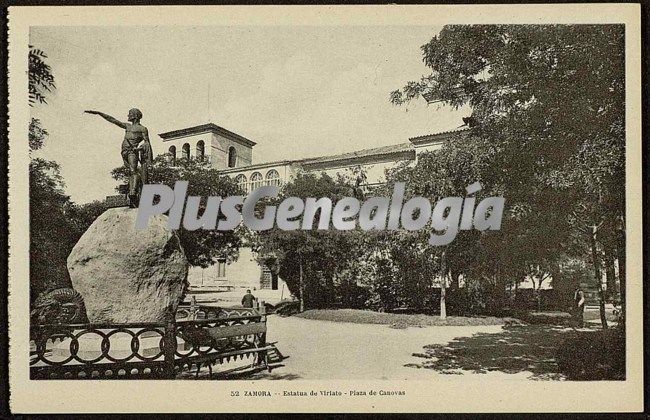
x,y
232,157
172,155
200,150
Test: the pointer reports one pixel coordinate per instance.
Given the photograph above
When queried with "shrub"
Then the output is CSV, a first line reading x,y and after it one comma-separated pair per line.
x,y
594,355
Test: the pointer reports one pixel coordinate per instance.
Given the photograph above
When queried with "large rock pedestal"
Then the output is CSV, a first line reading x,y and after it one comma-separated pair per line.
x,y
125,274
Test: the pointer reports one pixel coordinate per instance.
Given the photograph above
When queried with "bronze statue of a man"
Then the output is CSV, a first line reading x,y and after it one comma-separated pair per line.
x,y
135,148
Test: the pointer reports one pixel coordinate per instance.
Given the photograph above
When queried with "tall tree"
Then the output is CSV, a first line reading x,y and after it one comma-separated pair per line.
x,y
550,100
41,83
56,224
309,260
51,236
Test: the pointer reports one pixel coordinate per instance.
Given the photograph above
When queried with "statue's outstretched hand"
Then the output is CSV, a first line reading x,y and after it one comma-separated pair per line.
x,y
107,118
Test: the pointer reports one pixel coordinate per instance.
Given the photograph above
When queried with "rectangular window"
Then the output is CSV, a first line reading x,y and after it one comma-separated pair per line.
x,y
221,268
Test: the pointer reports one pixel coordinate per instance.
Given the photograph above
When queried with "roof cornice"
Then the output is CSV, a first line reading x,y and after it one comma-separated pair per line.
x,y
206,128
257,166
405,151
339,161
437,137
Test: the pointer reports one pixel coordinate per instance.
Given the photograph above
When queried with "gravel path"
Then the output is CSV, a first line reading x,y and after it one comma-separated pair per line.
x,y
338,350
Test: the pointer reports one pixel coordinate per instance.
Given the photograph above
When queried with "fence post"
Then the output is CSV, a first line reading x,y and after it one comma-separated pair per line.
x,y
264,354
193,308
169,346
262,310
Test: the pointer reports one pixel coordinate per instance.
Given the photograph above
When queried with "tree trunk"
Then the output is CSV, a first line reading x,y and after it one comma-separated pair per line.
x,y
560,297
330,297
456,303
301,285
610,274
599,279
539,293
537,289
443,296
500,292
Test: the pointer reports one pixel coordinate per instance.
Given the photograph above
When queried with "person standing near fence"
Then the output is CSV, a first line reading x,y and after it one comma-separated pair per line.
x,y
248,300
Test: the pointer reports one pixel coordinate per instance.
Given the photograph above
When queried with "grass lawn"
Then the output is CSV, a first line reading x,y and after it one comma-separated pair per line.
x,y
358,316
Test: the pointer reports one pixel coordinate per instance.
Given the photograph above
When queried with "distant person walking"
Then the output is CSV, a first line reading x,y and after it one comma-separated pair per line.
x,y
248,299
579,306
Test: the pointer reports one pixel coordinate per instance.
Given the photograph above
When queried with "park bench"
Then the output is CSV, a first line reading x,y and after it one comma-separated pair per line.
x,y
197,337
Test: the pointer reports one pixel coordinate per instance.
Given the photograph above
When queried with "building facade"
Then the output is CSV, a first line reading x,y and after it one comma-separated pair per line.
x,y
232,155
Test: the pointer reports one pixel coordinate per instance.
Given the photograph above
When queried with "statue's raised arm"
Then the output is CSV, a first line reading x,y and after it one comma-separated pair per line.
x,y
132,152
108,118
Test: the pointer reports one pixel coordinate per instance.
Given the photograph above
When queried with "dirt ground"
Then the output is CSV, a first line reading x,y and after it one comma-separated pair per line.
x,y
337,350
317,349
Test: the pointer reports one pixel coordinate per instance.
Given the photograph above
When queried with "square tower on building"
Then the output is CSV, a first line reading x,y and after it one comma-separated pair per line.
x,y
222,148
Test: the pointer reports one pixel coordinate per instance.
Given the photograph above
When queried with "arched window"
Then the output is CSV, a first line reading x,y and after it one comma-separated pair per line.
x,y
186,151
232,157
273,178
172,155
256,180
200,150
242,182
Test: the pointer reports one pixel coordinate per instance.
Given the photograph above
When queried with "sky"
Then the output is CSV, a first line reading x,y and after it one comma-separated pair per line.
x,y
297,91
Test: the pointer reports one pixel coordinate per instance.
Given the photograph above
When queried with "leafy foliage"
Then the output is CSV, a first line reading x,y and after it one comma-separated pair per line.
x,y
37,134
548,105
319,254
202,247
41,79
56,224
548,98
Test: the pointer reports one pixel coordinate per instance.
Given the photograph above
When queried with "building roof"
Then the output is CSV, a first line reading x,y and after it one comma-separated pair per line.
x,y
404,151
401,151
205,128
253,166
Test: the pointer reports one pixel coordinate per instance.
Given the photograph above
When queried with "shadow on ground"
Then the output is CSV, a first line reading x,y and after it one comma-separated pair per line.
x,y
241,372
518,348
256,373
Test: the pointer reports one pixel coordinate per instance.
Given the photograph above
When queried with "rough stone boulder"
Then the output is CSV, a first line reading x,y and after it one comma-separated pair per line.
x,y
128,275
